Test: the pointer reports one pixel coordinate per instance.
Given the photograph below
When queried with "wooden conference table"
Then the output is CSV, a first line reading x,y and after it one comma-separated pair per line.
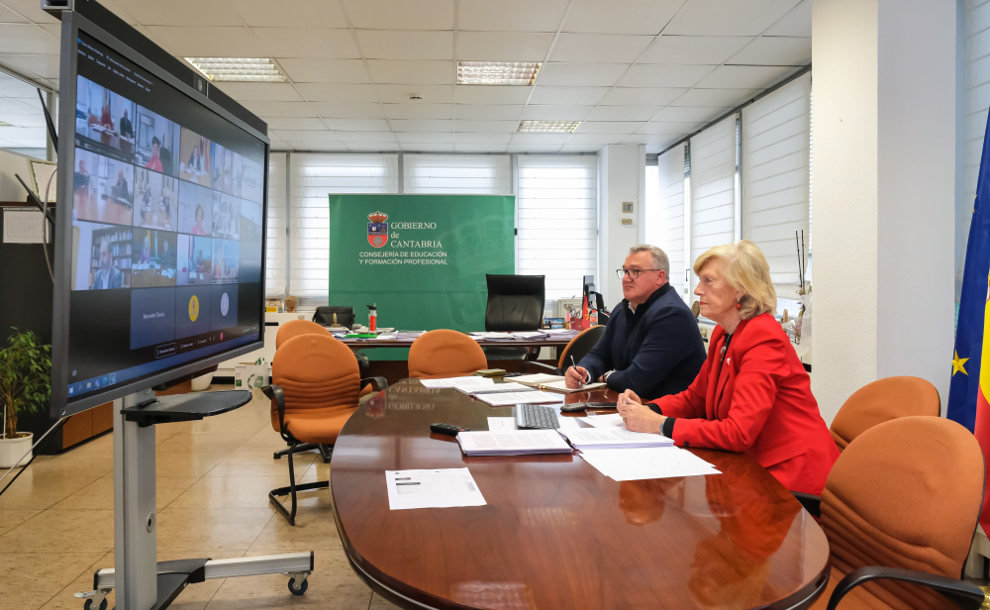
x,y
555,532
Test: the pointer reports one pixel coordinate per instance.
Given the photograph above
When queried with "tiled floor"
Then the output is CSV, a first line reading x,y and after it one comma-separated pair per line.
x,y
56,520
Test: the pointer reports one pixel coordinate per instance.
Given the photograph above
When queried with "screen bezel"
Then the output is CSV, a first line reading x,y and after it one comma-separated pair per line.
x,y
147,56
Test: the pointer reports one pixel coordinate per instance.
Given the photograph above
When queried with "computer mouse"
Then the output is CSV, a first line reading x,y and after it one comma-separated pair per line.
x,y
573,407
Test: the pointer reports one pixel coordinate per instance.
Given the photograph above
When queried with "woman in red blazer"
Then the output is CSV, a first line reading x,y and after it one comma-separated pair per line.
x,y
752,395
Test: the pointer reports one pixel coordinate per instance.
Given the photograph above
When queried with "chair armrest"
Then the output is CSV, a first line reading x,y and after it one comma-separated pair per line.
x,y
531,364
810,502
275,393
966,594
379,383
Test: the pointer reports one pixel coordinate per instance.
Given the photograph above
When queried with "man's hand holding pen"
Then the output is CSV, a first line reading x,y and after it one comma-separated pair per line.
x,y
575,376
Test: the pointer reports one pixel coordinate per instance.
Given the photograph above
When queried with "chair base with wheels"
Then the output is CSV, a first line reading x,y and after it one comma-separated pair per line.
x,y
325,451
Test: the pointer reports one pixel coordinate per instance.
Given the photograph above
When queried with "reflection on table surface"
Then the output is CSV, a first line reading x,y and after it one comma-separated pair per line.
x,y
555,533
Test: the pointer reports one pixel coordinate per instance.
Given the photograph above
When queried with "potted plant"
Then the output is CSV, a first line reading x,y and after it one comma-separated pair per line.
x,y
25,384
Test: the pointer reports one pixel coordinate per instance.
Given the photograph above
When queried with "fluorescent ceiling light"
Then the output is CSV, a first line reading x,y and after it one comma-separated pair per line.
x,y
497,72
548,126
260,69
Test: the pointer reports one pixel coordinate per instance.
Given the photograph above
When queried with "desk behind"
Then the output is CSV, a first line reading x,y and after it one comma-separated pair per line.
x,y
555,533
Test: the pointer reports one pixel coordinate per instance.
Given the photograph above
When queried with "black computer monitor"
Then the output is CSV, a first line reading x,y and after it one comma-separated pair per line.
x,y
160,232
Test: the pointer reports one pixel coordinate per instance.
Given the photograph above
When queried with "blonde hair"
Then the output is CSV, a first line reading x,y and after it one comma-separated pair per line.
x,y
747,271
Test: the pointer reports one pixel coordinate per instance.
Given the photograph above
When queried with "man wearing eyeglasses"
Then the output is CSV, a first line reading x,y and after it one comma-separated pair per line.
x,y
651,344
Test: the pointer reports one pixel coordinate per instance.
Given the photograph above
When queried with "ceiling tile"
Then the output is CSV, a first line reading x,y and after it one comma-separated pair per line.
x,y
422,125
430,94
594,141
775,51
795,23
480,147
745,77
276,92
693,49
720,98
663,75
480,127
334,92
26,38
489,112
502,46
434,146
350,71
279,109
381,44
9,16
295,123
295,14
364,125
412,138
30,10
388,71
599,48
510,15
301,42
717,17
609,126
32,65
491,94
623,113
404,15
632,96
348,110
545,94
670,128
482,138
418,110
634,17
580,74
555,113
689,114
193,41
185,12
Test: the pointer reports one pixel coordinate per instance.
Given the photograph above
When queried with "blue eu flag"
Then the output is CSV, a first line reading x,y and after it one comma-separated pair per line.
x,y
972,303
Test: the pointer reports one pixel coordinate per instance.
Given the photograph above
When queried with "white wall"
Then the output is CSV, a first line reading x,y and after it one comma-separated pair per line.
x,y
10,188
621,177
883,148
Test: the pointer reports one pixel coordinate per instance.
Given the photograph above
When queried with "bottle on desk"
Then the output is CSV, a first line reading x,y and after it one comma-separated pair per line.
x,y
372,317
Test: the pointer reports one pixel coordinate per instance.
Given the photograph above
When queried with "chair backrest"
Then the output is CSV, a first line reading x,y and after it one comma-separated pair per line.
x,y
318,375
332,315
445,353
880,401
580,345
907,494
515,302
294,328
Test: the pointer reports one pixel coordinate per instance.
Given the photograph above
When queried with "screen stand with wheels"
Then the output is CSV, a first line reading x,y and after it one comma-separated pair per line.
x,y
140,580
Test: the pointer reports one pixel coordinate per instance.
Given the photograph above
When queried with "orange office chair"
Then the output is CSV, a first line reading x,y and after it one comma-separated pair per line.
x,y
899,508
294,328
880,401
577,347
445,353
314,390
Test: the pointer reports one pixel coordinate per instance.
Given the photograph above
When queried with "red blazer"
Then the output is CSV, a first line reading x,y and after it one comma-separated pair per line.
x,y
760,405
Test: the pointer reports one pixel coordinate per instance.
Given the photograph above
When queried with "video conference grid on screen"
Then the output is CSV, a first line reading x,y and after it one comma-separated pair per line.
x,y
167,220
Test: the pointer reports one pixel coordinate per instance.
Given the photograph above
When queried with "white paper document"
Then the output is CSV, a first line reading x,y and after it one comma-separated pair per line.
x,y
648,463
504,399
512,442
509,423
440,488
455,382
489,388
604,438
612,420
537,378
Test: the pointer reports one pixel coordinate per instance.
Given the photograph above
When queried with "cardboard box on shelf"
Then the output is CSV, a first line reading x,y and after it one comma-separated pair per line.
x,y
252,374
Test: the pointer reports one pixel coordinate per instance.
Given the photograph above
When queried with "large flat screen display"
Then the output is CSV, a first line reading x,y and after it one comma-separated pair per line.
x,y
160,238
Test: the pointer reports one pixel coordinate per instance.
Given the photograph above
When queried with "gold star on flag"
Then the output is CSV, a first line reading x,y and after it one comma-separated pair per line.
x,y
958,364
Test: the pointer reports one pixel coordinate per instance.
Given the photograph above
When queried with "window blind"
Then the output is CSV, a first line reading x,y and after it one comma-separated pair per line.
x,y
313,177
276,270
775,174
557,220
462,174
713,193
670,236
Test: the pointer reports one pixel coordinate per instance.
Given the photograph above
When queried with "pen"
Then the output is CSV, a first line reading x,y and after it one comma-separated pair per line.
x,y
574,364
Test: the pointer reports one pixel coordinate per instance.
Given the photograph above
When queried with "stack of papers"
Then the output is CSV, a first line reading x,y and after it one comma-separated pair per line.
x,y
553,383
512,442
647,463
505,399
604,438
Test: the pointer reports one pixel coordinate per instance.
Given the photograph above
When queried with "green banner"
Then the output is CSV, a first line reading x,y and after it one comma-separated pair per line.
x,y
421,258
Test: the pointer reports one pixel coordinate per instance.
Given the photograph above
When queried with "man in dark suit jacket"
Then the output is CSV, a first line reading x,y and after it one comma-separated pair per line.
x,y
107,276
651,344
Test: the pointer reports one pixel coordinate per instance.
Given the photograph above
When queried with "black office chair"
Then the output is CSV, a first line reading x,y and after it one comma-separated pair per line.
x,y
515,302
334,316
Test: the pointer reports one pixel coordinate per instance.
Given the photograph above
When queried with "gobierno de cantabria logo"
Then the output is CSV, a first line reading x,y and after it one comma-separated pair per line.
x,y
377,229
